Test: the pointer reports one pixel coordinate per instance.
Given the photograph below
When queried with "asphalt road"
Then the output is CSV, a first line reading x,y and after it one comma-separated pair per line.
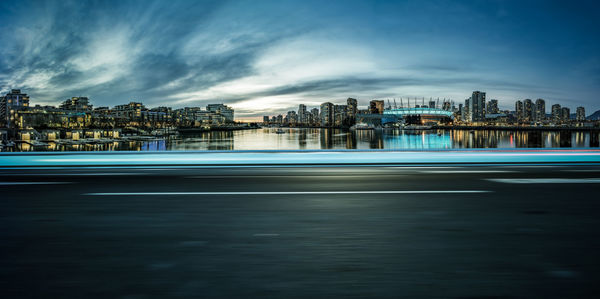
x,y
446,232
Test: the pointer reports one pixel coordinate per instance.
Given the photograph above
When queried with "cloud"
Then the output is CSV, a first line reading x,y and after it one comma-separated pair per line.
x,y
267,57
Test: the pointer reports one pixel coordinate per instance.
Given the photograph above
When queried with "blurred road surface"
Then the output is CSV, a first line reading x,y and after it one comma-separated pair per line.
x,y
297,232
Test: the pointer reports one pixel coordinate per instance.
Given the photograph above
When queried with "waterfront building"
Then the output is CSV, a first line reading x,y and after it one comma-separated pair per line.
x,y
279,119
492,107
292,117
327,114
556,113
565,114
519,111
266,119
221,109
431,104
580,114
376,107
540,110
10,104
528,110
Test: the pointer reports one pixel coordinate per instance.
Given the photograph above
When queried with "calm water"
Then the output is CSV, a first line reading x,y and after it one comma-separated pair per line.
x,y
300,138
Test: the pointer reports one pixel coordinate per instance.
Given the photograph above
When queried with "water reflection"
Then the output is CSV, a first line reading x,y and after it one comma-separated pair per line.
x,y
313,139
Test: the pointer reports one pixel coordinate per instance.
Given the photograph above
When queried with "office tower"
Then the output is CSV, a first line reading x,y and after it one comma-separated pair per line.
x,y
302,115
528,110
565,114
492,107
376,107
556,113
540,110
477,106
10,104
580,114
266,119
326,114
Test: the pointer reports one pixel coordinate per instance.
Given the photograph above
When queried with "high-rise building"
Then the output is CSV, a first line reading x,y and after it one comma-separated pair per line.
x,y
327,114
492,107
565,114
10,104
466,111
519,110
351,110
292,117
528,110
302,114
477,106
556,113
447,106
314,113
540,110
339,114
580,114
376,107
265,119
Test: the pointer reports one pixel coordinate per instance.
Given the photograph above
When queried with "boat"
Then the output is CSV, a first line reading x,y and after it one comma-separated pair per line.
x,y
362,127
280,131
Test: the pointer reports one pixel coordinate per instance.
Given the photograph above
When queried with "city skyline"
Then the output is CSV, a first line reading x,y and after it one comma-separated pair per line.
x,y
270,59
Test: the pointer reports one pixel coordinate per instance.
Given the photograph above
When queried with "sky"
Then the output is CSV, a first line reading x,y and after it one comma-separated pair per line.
x,y
266,57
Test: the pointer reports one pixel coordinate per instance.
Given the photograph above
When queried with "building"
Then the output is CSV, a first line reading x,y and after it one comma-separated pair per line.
x,y
556,113
528,110
10,104
339,115
477,107
351,110
540,110
466,111
492,107
223,110
519,110
580,114
327,114
376,107
314,115
76,104
265,119
565,114
302,114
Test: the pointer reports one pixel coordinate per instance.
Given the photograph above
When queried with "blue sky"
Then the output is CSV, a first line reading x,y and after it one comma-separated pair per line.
x,y
266,57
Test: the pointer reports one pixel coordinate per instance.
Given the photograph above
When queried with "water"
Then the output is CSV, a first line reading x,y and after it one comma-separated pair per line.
x,y
314,139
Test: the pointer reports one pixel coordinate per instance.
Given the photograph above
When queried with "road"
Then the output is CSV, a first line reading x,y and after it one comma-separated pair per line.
x,y
294,232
